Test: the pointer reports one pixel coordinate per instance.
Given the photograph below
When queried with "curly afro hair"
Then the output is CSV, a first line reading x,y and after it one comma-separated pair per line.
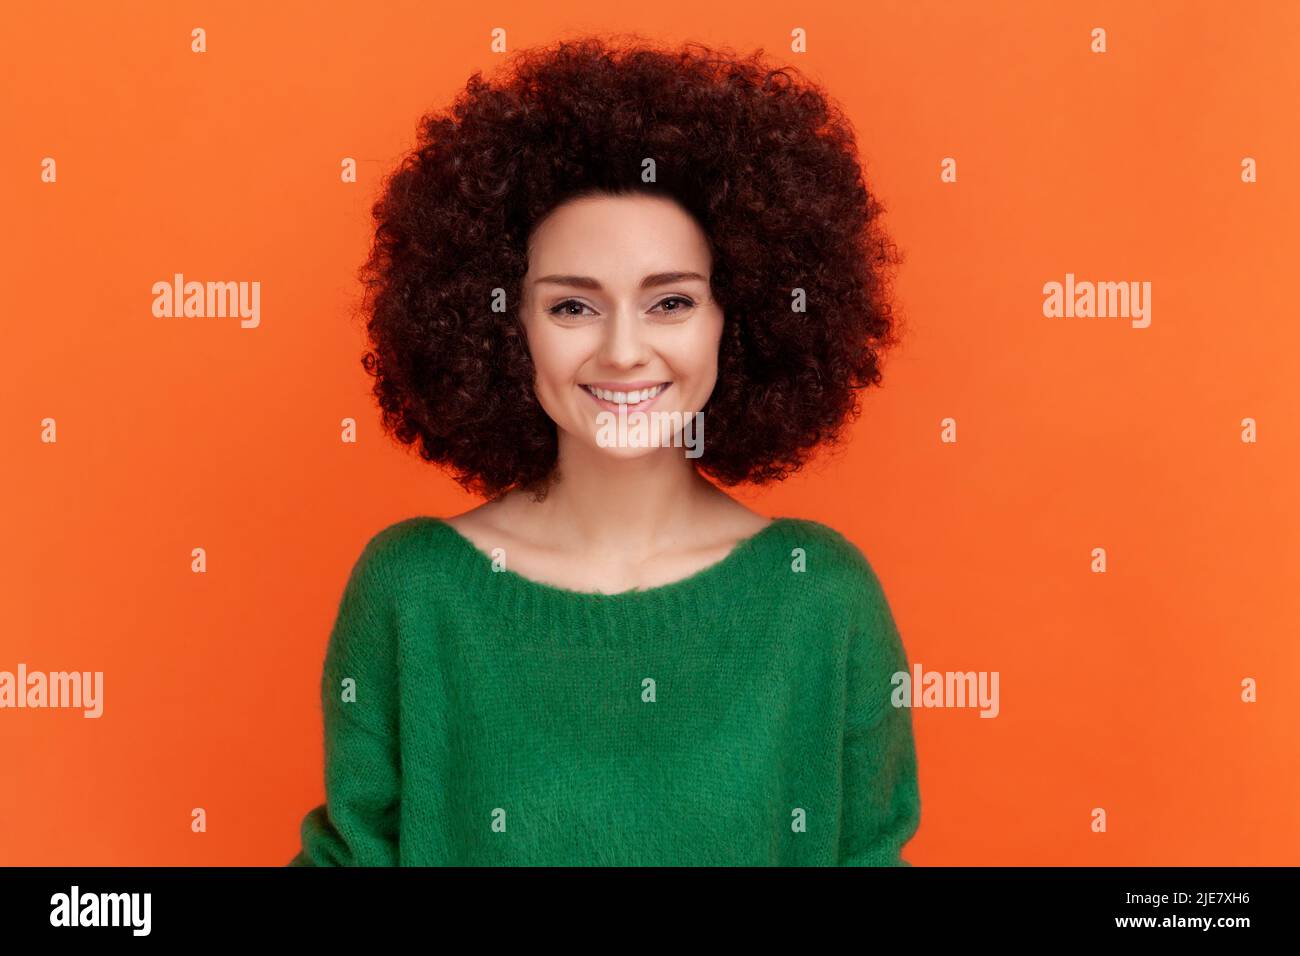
x,y
765,162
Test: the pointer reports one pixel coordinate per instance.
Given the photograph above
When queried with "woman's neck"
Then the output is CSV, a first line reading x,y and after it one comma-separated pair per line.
x,y
601,504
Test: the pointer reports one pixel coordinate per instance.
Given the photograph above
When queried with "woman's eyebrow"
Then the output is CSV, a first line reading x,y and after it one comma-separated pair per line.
x,y
657,278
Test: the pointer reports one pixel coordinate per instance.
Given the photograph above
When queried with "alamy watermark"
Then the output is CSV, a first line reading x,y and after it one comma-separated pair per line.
x,y
653,429
946,689
37,689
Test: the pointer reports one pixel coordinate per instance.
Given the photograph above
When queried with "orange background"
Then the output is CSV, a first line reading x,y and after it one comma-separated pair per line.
x,y
1118,690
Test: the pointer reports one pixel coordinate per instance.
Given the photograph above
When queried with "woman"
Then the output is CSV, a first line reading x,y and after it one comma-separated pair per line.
x,y
611,661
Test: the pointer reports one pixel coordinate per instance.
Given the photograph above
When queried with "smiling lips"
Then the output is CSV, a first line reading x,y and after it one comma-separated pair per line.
x,y
629,396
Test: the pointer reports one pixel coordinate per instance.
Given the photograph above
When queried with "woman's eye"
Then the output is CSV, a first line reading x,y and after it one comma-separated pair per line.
x,y
685,303
561,309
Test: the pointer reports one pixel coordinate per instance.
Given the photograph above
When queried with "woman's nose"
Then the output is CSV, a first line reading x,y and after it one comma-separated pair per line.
x,y
624,343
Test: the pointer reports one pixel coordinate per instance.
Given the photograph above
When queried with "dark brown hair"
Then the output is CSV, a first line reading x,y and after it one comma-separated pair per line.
x,y
765,162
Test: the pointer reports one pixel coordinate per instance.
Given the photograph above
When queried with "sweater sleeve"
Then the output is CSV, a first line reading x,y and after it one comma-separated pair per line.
x,y
882,806
357,825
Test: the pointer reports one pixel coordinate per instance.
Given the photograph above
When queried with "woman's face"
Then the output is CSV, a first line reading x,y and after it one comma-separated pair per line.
x,y
617,299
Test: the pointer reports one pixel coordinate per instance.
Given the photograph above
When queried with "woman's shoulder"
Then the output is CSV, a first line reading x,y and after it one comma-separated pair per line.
x,y
835,566
403,546
841,584
836,550
401,535
405,532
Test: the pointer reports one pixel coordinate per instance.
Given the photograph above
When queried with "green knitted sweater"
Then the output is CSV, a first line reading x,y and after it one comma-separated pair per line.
x,y
738,717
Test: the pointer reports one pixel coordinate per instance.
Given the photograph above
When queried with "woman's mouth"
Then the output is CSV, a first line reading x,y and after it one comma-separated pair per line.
x,y
632,400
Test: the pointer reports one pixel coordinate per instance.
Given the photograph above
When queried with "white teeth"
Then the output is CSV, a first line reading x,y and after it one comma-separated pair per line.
x,y
626,398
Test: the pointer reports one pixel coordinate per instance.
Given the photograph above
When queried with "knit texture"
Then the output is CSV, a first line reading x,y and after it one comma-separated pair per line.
x,y
738,717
